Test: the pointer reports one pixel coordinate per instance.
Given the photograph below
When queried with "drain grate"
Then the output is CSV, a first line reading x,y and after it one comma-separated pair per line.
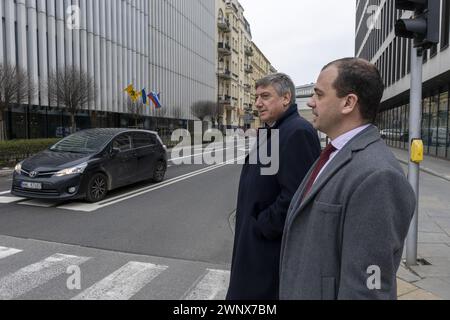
x,y
423,262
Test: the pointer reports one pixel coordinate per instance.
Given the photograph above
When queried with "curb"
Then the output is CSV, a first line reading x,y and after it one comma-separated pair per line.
x,y
427,170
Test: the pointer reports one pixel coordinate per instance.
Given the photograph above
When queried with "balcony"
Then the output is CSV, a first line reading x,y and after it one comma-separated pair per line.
x,y
249,51
248,68
224,99
224,49
224,74
247,88
224,25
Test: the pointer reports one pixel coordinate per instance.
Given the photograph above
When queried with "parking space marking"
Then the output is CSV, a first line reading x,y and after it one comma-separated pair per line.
x,y
123,283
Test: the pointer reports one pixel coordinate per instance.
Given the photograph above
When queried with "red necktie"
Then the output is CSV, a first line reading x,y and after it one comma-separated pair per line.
x,y
324,157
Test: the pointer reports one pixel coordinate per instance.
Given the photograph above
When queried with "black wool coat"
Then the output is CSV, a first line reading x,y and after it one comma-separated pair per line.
x,y
262,205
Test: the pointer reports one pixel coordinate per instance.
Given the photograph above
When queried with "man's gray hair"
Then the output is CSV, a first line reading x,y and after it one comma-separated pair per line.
x,y
281,82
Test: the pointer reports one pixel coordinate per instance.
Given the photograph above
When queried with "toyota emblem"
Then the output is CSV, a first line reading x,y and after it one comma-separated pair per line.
x,y
33,174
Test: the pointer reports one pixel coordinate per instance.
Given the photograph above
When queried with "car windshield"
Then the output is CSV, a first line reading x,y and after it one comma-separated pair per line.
x,y
82,142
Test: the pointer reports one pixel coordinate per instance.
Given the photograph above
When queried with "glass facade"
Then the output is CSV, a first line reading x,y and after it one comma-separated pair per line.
x,y
394,124
23,122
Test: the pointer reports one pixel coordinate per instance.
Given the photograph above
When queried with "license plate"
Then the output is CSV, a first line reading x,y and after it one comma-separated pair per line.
x,y
32,185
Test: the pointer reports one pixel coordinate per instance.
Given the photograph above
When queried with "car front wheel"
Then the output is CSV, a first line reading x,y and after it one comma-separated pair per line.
x,y
159,172
97,188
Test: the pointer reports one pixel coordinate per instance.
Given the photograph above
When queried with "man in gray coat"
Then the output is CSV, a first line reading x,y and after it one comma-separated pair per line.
x,y
347,222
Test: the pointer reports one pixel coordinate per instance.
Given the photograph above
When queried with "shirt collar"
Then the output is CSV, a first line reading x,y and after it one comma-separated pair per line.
x,y
345,138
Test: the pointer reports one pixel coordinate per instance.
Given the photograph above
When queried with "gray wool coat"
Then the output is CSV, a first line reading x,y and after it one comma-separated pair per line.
x,y
354,221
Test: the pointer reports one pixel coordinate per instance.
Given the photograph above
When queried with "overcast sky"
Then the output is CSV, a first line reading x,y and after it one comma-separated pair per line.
x,y
300,36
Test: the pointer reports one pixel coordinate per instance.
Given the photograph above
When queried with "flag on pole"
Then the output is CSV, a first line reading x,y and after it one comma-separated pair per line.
x,y
155,98
129,89
144,96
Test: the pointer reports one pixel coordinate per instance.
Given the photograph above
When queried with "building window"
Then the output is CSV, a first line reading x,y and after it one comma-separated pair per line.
x,y
443,125
404,56
434,133
426,117
445,30
433,51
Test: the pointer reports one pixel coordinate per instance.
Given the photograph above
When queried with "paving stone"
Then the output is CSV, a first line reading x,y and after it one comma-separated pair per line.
x,y
432,271
429,226
419,294
447,231
442,222
438,286
404,288
406,275
439,213
427,237
434,250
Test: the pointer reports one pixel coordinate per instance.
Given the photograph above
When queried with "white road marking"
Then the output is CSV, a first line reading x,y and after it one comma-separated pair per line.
x,y
6,252
89,207
211,286
39,203
123,283
6,200
199,154
5,192
26,279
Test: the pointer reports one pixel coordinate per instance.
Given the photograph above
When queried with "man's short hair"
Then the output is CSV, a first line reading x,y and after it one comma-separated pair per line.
x,y
362,78
281,82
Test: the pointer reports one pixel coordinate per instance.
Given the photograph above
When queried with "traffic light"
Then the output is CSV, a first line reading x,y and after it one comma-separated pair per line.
x,y
423,26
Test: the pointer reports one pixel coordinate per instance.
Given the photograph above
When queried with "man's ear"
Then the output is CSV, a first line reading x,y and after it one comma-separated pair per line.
x,y
287,99
351,102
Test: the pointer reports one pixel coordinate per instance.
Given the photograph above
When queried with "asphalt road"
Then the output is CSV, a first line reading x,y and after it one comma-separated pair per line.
x,y
182,221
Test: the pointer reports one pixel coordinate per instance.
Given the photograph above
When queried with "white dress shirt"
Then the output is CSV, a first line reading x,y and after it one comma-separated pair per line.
x,y
340,143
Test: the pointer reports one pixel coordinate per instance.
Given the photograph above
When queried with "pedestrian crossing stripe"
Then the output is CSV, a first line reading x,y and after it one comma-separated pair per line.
x,y
39,203
210,286
28,278
6,252
7,200
123,283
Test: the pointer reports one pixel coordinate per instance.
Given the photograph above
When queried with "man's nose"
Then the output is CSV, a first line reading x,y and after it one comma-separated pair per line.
x,y
258,103
311,103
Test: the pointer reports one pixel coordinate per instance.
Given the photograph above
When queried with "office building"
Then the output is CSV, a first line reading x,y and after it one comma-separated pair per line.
x,y
376,42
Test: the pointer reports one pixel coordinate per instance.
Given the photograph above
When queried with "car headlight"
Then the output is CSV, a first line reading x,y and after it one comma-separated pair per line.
x,y
74,170
18,168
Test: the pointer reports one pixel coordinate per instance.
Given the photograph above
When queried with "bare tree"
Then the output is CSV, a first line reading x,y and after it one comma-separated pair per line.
x,y
15,87
217,114
203,109
72,88
160,112
135,108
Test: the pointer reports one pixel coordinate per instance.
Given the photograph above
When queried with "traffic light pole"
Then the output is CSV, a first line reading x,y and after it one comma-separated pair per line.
x,y
415,120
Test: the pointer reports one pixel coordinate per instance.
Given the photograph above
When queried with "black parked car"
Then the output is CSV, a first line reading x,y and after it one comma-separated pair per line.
x,y
89,163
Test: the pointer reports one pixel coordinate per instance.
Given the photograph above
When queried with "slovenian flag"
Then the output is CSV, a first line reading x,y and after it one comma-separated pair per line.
x,y
155,98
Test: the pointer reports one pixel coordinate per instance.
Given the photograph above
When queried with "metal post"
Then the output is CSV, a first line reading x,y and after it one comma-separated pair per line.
x,y
415,119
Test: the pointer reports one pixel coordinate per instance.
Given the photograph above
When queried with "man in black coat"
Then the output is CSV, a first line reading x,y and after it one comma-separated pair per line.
x,y
263,200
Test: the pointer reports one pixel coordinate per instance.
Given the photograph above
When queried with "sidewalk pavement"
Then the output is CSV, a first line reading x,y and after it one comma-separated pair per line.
x,y
431,278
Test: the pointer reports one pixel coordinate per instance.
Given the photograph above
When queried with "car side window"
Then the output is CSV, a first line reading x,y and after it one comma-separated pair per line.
x,y
143,140
122,142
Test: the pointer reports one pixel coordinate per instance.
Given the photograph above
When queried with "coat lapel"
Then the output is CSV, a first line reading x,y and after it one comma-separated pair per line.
x,y
360,142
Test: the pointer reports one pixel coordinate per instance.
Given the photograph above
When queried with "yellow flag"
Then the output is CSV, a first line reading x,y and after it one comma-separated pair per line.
x,y
129,89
